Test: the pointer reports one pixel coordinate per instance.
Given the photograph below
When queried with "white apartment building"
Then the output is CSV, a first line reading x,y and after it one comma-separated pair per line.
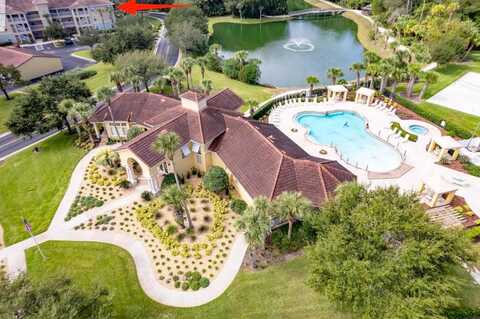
x,y
26,19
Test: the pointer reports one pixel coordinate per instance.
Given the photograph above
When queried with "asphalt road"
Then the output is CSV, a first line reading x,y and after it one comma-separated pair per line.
x,y
10,143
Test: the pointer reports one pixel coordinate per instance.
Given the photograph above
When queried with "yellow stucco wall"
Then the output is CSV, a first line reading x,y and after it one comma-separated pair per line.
x,y
39,66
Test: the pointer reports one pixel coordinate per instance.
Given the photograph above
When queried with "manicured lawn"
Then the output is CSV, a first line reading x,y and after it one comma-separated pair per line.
x,y
6,107
230,19
294,5
83,53
32,185
102,78
244,90
277,292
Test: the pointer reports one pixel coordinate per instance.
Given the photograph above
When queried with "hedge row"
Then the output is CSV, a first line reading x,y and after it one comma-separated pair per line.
x,y
412,137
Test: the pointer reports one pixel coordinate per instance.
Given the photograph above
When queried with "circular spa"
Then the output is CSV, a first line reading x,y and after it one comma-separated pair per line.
x,y
347,133
418,129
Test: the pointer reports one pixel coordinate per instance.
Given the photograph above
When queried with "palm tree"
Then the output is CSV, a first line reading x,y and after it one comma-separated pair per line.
x,y
177,197
202,63
290,206
65,106
187,65
413,73
256,223
370,57
81,112
397,75
108,158
334,74
105,94
215,48
241,56
429,78
175,75
373,70
117,77
357,68
385,71
167,144
207,86
312,80
251,105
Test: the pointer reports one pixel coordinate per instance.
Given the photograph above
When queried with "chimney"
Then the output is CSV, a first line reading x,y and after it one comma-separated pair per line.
x,y
194,101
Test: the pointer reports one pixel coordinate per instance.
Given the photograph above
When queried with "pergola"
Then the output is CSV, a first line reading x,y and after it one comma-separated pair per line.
x,y
337,93
446,144
436,191
364,96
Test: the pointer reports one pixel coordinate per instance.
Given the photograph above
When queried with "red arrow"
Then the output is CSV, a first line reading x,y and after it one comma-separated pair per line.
x,y
132,7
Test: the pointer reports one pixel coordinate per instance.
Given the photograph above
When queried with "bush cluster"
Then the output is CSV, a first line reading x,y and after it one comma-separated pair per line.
x,y
146,217
97,178
147,196
82,204
193,280
103,220
83,74
238,206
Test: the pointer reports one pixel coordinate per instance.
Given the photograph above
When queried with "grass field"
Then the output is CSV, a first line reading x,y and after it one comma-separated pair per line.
x,y
447,74
102,78
244,90
83,53
277,292
32,185
295,5
6,107
229,19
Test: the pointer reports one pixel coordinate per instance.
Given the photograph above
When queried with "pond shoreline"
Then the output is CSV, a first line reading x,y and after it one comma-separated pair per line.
x,y
363,25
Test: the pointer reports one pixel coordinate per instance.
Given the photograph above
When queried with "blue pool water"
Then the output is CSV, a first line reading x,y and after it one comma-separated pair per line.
x,y
418,129
346,131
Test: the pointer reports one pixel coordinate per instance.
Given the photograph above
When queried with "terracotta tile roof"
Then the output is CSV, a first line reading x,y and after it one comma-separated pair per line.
x,y
266,162
18,56
29,5
135,107
193,96
142,145
226,100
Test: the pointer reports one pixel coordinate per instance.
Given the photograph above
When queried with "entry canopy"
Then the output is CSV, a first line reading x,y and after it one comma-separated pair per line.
x,y
438,184
366,91
337,88
447,142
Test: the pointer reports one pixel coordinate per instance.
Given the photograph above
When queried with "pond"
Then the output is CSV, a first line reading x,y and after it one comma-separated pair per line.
x,y
292,50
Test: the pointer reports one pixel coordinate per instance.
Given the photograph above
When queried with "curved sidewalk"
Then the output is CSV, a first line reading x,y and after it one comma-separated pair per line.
x,y
61,230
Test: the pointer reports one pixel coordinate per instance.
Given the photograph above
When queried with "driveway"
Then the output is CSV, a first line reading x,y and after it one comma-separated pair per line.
x,y
69,61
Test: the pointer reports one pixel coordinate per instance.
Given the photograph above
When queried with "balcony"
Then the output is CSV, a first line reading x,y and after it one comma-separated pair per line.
x,y
31,17
36,27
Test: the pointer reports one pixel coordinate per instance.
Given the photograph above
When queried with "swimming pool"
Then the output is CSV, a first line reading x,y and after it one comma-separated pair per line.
x,y
346,131
418,129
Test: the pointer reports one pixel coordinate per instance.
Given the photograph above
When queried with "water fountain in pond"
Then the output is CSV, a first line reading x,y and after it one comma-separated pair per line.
x,y
299,45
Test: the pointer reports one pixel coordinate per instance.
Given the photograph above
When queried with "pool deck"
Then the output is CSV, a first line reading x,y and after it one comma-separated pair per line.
x,y
419,163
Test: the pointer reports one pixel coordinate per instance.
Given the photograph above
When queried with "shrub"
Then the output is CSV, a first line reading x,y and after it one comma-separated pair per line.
x,y
171,229
177,284
195,285
147,196
83,74
124,184
204,282
133,132
103,219
168,180
473,233
472,169
238,206
185,286
215,179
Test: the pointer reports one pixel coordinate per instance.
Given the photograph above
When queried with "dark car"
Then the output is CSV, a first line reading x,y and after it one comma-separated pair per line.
x,y
68,41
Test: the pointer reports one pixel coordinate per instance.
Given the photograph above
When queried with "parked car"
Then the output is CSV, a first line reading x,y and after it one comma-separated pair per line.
x,y
68,41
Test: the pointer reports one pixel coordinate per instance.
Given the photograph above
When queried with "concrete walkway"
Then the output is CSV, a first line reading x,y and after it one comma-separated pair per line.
x,y
15,259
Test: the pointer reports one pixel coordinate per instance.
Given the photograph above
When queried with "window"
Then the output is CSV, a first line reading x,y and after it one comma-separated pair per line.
x,y
196,148
185,150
